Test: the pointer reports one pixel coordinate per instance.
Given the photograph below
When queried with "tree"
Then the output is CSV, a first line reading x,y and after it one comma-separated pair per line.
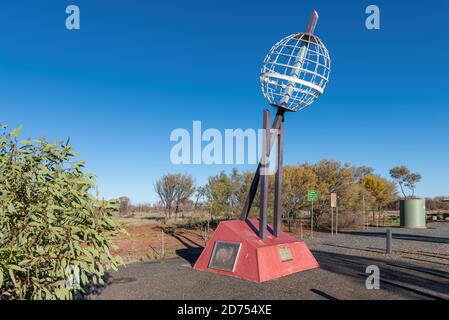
x,y
166,190
240,184
381,189
183,191
173,190
225,193
412,180
404,178
219,192
200,196
50,223
363,171
326,177
296,181
123,206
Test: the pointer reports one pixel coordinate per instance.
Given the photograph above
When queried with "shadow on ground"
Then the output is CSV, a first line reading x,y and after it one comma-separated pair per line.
x,y
395,276
190,254
95,289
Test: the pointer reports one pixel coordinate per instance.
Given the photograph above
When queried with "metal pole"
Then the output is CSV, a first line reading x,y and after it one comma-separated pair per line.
x,y
364,212
312,22
336,216
301,230
332,220
389,241
255,183
278,183
264,177
311,222
162,243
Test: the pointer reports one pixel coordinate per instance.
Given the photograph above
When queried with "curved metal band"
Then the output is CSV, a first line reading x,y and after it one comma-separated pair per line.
x,y
293,80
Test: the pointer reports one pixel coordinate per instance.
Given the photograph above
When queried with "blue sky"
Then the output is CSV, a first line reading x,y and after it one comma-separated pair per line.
x,y
139,69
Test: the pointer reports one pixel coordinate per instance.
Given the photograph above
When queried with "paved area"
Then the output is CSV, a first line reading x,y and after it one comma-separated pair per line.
x,y
419,269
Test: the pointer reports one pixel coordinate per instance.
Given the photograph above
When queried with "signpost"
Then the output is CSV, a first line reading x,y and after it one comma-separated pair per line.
x,y
333,205
336,216
312,196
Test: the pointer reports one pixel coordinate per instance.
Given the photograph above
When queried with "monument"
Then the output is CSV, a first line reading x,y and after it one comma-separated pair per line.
x,y
294,75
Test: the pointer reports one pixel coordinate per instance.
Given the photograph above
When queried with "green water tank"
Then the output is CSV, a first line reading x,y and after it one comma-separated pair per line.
x,y
413,213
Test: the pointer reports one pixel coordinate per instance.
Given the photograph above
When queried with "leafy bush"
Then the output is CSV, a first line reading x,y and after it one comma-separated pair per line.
x,y
50,223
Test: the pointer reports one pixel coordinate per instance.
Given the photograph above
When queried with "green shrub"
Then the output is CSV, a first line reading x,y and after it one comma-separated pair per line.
x,y
50,223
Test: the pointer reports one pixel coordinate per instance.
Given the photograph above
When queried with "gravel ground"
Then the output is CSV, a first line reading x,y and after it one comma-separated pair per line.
x,y
418,269
425,245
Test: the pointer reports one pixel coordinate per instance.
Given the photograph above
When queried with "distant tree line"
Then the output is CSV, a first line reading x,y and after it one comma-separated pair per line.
x,y
359,190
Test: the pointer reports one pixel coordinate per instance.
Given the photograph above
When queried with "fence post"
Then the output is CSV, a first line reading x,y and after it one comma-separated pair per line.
x,y
162,243
389,241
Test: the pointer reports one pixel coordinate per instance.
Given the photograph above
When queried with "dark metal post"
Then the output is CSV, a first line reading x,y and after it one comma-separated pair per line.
x,y
265,164
389,241
253,189
278,183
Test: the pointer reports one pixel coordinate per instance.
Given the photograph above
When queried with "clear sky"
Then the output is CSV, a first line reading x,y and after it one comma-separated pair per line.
x,y
139,69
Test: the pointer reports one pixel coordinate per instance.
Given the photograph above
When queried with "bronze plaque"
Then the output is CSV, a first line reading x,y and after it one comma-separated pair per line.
x,y
224,256
286,254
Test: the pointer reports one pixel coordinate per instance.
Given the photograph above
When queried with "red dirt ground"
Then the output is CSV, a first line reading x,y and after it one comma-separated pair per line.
x,y
145,242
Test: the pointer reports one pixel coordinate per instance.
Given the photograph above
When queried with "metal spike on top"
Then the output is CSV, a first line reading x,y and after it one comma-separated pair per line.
x,y
312,22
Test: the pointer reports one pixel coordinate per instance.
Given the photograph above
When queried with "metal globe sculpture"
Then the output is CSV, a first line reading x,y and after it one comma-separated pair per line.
x,y
296,70
294,74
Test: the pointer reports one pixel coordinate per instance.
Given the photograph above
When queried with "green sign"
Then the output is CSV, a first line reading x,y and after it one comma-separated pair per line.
x,y
312,196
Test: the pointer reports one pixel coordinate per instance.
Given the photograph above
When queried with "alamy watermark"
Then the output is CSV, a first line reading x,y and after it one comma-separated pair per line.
x,y
215,147
372,22
72,281
73,20
373,280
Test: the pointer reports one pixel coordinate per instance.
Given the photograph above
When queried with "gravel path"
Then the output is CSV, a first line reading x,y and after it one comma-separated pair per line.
x,y
418,269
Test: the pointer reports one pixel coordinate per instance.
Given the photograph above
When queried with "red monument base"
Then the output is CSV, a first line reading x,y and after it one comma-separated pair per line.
x,y
236,250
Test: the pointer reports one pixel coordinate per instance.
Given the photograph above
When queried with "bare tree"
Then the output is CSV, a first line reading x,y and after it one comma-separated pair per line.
x,y
123,206
183,191
363,171
166,189
173,190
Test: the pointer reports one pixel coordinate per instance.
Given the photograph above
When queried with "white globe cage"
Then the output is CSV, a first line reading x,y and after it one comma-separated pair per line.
x,y
295,72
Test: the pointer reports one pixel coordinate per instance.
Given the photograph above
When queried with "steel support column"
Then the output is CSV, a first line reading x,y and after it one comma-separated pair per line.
x,y
277,225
